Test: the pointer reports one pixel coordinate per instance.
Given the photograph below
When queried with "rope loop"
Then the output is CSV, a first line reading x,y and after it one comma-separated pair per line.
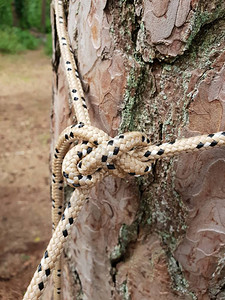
x,y
97,154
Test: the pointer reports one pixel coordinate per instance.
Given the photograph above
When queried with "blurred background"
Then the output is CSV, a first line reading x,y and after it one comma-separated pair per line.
x,y
25,24
25,101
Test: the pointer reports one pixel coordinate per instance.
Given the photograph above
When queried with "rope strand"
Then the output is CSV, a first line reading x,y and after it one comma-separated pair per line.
x,y
75,87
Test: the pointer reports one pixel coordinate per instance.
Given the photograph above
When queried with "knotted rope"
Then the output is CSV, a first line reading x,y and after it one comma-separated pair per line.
x,y
95,156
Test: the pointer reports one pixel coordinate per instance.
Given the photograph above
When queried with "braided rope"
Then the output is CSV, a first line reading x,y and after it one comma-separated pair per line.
x,y
96,156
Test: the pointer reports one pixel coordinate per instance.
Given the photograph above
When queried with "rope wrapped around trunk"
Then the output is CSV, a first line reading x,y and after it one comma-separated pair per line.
x,y
95,156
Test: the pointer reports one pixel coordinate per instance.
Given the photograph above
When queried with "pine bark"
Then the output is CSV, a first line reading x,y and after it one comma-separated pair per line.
x,y
157,67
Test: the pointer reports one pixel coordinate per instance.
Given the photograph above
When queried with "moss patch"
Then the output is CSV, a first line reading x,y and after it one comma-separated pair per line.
x,y
124,291
203,16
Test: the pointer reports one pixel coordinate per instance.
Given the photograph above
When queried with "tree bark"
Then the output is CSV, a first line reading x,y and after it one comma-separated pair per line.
x,y
157,67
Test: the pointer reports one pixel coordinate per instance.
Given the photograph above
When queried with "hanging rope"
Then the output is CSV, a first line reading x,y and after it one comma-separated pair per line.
x,y
94,157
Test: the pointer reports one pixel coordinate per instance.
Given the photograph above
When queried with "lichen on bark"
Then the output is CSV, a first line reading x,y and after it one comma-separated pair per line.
x,y
206,13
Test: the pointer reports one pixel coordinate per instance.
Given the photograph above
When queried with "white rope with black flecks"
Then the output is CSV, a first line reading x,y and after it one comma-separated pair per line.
x,y
96,155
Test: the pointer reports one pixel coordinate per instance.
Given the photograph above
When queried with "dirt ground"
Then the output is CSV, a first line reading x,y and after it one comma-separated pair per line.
x,y
25,211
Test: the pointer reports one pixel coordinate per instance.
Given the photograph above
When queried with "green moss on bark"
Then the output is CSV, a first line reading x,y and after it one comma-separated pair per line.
x,y
180,284
203,16
128,234
124,291
136,82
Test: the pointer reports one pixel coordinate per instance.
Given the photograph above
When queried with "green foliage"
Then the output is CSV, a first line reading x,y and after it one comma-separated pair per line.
x,y
26,14
33,14
14,39
48,44
16,18
6,12
19,6
48,27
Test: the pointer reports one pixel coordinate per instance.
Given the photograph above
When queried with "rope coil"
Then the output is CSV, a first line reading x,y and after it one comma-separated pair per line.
x,y
96,155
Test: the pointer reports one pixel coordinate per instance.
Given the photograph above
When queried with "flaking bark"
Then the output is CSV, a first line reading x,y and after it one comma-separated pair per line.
x,y
157,67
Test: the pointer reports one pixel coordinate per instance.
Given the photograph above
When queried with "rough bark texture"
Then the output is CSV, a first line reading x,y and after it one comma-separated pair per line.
x,y
155,66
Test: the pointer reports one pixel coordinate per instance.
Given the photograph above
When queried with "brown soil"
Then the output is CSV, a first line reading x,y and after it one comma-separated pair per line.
x,y
25,221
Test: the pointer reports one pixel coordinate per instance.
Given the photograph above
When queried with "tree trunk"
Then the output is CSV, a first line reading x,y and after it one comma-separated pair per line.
x,y
15,17
43,15
156,67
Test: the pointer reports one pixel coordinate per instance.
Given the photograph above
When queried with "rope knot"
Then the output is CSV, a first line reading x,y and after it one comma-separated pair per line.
x,y
97,154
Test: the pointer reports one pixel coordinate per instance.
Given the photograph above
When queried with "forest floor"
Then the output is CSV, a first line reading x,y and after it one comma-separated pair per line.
x,y
25,211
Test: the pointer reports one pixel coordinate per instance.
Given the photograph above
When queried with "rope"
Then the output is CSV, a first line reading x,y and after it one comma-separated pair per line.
x,y
95,156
